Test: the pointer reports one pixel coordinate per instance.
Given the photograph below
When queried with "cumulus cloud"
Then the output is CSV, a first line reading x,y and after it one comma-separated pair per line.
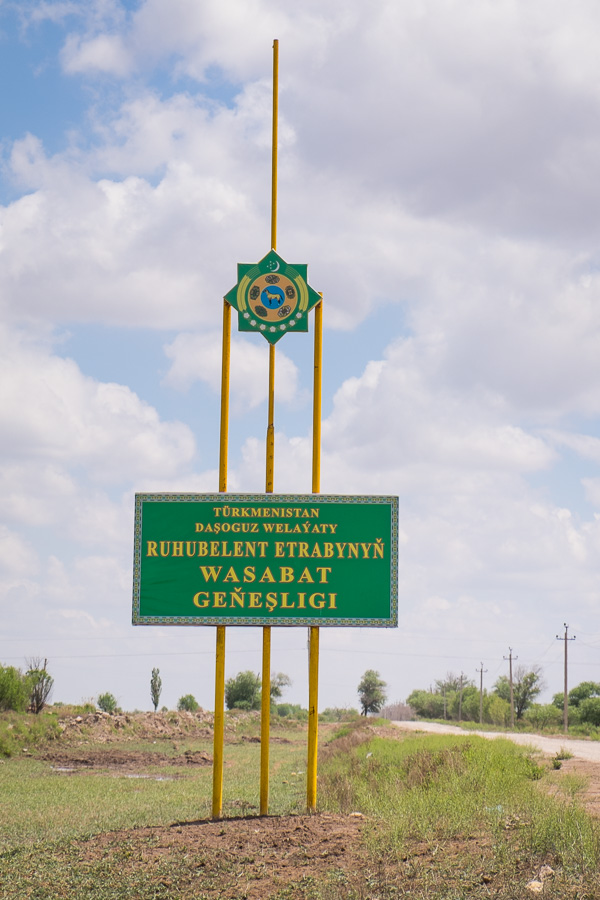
x,y
50,411
17,557
198,357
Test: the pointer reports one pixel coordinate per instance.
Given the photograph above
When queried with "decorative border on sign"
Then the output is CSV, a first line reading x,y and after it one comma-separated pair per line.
x,y
225,498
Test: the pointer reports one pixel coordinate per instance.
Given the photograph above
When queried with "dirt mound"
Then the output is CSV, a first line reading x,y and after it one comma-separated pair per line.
x,y
266,855
101,727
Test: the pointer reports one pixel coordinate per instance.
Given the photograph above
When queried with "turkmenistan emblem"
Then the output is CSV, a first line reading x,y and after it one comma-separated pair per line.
x,y
272,297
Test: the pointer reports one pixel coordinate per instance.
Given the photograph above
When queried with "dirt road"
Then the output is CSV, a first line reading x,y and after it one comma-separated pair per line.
x,y
581,749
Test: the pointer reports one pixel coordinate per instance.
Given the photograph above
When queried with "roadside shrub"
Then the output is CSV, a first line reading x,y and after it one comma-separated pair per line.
x,y
14,689
18,730
187,703
498,711
543,715
589,711
107,703
291,711
339,714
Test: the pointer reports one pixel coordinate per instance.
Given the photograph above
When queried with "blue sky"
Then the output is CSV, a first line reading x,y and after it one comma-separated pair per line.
x,y
439,173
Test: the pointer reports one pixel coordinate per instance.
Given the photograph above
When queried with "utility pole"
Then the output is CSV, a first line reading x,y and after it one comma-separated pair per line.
x,y
481,671
565,638
462,677
510,658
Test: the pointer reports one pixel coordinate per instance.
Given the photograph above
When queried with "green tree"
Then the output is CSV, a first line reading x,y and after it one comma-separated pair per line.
x,y
278,683
589,710
426,704
543,715
243,691
527,684
14,689
470,704
40,683
451,683
371,692
498,710
187,703
577,695
107,703
155,688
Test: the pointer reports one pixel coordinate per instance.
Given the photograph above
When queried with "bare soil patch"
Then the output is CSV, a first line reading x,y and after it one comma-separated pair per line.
x,y
123,760
259,856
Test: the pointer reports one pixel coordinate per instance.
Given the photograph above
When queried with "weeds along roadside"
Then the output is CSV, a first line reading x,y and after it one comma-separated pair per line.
x,y
438,789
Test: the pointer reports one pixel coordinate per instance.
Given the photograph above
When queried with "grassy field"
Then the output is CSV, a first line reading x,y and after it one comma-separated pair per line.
x,y
440,817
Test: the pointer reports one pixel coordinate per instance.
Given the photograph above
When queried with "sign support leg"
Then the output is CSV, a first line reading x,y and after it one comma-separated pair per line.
x,y
313,659
265,703
313,719
265,715
219,717
219,723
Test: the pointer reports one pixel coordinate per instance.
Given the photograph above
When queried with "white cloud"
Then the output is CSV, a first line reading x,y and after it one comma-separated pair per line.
x,y
49,411
585,445
17,557
198,357
104,53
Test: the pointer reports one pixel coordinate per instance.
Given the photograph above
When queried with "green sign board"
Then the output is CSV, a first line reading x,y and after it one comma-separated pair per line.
x,y
267,559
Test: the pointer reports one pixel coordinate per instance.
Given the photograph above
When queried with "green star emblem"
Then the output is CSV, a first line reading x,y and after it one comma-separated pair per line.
x,y
272,297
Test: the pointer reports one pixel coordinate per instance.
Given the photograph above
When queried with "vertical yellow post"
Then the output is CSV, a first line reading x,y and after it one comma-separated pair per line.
x,y
318,354
265,714
219,719
265,707
274,145
225,364
313,719
313,658
270,467
219,725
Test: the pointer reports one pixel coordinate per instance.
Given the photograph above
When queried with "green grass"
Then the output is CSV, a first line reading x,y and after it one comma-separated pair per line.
x,y
439,790
441,813
19,730
40,804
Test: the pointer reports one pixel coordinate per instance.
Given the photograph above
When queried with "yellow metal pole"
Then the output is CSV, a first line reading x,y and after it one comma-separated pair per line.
x,y
313,719
265,714
219,725
219,719
225,364
265,707
274,145
271,424
318,354
313,658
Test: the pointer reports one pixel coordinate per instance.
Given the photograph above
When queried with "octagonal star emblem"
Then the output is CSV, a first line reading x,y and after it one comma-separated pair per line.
x,y
272,297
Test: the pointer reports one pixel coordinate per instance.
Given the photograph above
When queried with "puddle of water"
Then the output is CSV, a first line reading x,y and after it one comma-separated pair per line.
x,y
74,770
153,777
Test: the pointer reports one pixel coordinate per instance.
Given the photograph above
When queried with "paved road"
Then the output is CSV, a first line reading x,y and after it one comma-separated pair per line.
x,y
588,750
